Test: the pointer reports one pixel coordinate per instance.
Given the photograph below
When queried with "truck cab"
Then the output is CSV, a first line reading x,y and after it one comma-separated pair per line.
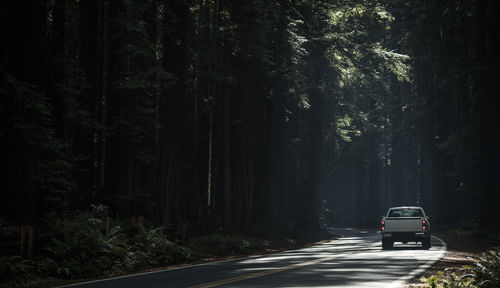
x,y
405,224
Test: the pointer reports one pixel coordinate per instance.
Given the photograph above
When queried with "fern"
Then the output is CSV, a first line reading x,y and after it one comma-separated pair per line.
x,y
486,269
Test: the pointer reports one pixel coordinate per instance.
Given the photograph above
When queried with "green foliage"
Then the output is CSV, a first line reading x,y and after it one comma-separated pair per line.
x,y
483,272
9,238
163,252
461,233
88,253
18,271
346,129
451,280
486,269
464,228
221,245
13,265
85,252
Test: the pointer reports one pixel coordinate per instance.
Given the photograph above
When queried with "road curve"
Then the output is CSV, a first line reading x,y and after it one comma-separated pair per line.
x,y
355,260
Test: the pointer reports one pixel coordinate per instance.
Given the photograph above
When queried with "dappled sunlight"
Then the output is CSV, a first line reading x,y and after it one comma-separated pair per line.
x,y
351,244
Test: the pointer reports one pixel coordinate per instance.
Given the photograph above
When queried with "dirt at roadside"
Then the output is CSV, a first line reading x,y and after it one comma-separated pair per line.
x,y
459,250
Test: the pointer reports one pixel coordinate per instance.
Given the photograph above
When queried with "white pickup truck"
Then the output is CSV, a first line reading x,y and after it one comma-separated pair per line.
x,y
405,224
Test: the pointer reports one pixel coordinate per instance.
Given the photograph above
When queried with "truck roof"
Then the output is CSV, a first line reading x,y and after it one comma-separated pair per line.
x,y
406,207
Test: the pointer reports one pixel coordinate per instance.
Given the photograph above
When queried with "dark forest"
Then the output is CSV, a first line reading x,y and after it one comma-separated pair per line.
x,y
282,116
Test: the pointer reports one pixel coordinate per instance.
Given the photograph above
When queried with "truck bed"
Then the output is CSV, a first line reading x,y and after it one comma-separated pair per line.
x,y
403,224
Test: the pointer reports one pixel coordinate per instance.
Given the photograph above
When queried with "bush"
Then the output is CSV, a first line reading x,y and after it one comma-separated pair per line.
x,y
9,238
486,269
161,251
87,253
84,252
18,271
451,280
484,272
220,245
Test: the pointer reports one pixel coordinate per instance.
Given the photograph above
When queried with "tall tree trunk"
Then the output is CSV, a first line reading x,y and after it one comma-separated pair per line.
x,y
311,194
25,47
56,62
117,102
173,113
84,144
275,197
314,173
227,158
489,41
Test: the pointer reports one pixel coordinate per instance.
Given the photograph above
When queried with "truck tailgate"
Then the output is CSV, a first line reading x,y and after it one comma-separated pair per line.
x,y
403,224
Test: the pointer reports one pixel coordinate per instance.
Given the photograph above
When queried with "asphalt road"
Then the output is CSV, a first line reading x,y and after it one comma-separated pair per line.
x,y
355,260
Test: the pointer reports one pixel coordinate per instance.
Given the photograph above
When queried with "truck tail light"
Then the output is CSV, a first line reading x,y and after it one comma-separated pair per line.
x,y
424,225
382,225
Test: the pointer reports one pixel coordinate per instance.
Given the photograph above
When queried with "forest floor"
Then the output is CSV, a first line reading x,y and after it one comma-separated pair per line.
x,y
460,250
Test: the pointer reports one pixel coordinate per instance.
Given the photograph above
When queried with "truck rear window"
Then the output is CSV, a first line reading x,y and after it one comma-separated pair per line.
x,y
405,212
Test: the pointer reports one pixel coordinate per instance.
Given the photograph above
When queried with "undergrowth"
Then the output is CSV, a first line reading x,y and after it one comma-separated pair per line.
x,y
82,249
216,245
85,252
483,272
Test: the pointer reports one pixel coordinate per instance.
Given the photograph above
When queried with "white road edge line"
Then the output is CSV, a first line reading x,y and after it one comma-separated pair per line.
x,y
401,281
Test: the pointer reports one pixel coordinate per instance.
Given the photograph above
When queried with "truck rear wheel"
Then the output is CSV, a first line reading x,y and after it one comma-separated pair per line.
x,y
426,243
387,244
